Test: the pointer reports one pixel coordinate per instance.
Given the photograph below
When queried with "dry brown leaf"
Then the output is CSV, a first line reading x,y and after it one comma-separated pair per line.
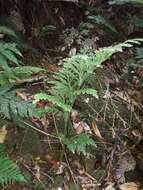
x,y
75,117
96,130
72,52
41,104
62,20
51,67
113,133
45,122
61,168
37,173
50,157
3,133
129,186
110,186
22,96
79,125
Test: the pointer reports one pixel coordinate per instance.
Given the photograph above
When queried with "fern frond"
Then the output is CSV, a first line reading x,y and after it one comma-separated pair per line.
x,y
8,31
9,171
55,99
13,47
5,89
79,143
16,74
88,91
8,54
139,53
4,77
68,82
25,71
11,106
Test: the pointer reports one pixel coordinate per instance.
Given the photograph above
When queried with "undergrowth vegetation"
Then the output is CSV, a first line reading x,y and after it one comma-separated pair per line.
x,y
69,83
48,101
12,108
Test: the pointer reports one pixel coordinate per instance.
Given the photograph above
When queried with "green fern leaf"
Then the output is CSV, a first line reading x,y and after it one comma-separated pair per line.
x,y
3,63
5,89
4,108
13,47
54,99
139,53
79,143
12,75
10,56
88,91
68,82
8,31
2,150
11,106
9,171
8,53
26,71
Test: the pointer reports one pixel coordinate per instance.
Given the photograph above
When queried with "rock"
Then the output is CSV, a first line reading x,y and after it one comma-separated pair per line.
x,y
125,164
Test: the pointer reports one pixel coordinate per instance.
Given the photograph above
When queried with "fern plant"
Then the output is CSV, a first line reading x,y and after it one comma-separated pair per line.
x,y
9,171
69,82
10,60
8,54
12,107
12,72
78,143
8,31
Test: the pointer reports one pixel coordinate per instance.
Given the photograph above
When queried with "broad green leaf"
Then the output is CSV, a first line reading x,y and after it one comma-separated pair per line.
x,y
8,31
10,56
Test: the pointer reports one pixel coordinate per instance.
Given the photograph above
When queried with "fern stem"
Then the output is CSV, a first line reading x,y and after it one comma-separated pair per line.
x,y
66,123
